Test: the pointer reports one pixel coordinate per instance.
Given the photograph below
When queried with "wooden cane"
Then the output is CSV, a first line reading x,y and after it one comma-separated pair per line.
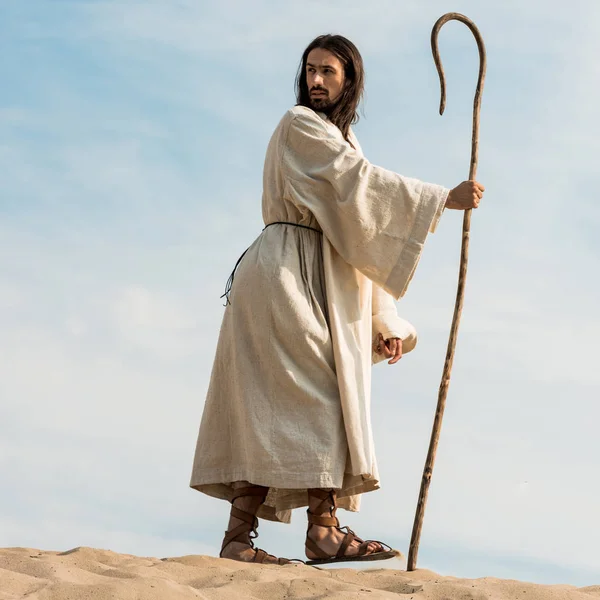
x,y
464,257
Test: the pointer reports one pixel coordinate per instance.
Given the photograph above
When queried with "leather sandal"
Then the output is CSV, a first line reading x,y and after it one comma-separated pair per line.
x,y
249,527
328,503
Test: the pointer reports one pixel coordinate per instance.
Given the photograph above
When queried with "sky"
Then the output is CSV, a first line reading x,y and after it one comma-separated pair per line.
x,y
132,139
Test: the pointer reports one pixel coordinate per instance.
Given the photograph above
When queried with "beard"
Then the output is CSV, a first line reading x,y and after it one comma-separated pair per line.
x,y
322,104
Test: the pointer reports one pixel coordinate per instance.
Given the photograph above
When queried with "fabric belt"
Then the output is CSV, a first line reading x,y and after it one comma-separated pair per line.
x,y
229,283
294,224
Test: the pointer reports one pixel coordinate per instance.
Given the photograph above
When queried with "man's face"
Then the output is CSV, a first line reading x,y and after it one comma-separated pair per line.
x,y
325,79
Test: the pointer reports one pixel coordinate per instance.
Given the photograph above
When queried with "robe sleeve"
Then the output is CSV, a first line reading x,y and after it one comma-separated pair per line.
x,y
377,220
438,215
387,322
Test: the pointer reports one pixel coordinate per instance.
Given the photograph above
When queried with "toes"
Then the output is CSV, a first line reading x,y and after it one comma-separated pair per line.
x,y
373,547
366,547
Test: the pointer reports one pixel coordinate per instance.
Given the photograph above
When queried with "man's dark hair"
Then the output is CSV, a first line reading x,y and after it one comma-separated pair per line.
x,y
345,111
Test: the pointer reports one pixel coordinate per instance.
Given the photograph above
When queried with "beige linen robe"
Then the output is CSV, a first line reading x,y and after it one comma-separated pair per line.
x,y
288,405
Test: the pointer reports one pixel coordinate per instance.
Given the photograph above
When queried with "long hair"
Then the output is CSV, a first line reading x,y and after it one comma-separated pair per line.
x,y
345,111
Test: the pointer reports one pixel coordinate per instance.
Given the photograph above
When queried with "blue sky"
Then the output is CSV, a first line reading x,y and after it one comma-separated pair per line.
x,y
132,136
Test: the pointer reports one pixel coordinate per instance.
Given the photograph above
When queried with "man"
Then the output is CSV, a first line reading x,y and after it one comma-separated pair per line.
x,y
286,421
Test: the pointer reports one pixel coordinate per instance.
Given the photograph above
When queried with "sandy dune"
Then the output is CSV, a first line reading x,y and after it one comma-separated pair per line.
x,y
89,574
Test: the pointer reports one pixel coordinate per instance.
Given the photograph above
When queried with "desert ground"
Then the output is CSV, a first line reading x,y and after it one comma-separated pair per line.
x,y
93,574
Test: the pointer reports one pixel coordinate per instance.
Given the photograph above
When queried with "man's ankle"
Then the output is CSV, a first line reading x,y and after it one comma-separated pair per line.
x,y
314,502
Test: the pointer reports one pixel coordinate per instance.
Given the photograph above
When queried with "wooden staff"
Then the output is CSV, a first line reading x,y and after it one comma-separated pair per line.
x,y
443,391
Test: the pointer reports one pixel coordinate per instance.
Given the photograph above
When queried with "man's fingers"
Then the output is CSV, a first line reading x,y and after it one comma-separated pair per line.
x,y
381,346
397,351
477,193
391,347
387,350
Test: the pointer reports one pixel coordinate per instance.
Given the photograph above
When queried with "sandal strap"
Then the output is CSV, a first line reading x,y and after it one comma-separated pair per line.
x,y
249,525
316,550
345,543
242,515
348,539
363,543
341,551
234,534
328,501
323,521
243,532
385,547
260,555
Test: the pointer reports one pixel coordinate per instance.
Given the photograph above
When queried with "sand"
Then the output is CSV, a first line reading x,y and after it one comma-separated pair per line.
x,y
90,574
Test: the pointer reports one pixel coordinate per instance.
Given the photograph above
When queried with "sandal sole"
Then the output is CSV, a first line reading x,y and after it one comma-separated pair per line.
x,y
367,557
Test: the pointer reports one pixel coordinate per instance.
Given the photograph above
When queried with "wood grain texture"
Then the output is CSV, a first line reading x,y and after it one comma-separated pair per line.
x,y
464,259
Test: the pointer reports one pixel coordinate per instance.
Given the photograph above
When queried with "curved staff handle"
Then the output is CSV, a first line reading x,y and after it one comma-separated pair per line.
x,y
464,258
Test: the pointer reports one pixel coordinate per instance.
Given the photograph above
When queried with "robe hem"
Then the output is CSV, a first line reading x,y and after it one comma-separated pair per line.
x,y
281,501
270,478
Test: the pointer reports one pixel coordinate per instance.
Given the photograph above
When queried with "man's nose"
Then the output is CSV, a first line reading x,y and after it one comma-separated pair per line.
x,y
317,79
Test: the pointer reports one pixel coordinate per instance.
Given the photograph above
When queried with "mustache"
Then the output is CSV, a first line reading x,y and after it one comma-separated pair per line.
x,y
319,89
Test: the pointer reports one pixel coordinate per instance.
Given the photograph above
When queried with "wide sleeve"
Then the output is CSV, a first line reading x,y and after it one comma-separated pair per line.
x,y
387,322
376,219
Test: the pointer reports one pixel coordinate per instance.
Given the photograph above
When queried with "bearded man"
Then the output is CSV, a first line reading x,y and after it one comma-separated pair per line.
x,y
286,422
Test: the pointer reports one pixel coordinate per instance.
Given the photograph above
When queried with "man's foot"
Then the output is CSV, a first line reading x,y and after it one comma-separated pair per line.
x,y
326,541
329,540
247,553
237,544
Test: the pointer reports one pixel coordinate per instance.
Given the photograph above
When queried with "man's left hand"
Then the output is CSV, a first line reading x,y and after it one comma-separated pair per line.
x,y
391,348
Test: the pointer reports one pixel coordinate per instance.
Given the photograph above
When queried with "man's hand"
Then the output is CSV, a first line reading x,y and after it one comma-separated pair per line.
x,y
465,195
391,348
